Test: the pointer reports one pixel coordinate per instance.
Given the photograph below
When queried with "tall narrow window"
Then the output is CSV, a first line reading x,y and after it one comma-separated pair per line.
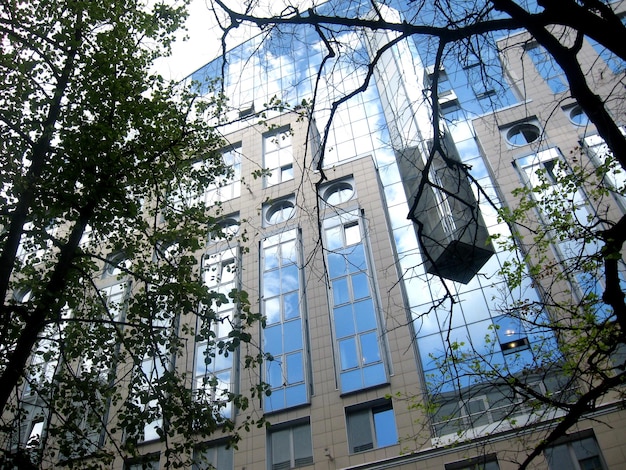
x,y
355,321
202,188
214,371
278,157
284,334
548,68
615,63
228,186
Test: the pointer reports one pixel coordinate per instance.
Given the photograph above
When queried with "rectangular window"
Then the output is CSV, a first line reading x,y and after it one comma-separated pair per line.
x,y
484,462
371,426
549,70
355,317
511,334
290,446
278,157
214,366
229,185
547,172
200,188
578,451
150,462
615,63
284,334
215,456
146,391
151,370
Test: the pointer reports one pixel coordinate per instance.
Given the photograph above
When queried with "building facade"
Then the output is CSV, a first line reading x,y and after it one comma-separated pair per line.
x,y
390,329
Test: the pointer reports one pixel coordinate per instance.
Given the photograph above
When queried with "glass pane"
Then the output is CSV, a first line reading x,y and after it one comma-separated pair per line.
x,y
271,310
289,275
585,448
295,368
303,448
360,286
356,258
348,353
272,340
365,317
276,400
351,380
360,431
281,447
385,428
271,257
293,335
336,265
334,238
289,252
274,372
271,283
353,234
341,294
287,173
291,306
369,348
344,321
374,375
224,458
295,395
222,361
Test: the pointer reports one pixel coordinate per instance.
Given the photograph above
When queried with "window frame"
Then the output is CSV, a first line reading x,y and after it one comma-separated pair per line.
x,y
356,417
519,128
568,442
276,207
282,169
290,427
216,448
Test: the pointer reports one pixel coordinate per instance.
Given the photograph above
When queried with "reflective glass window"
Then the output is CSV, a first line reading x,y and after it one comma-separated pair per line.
x,y
215,367
355,323
371,427
547,67
284,335
278,157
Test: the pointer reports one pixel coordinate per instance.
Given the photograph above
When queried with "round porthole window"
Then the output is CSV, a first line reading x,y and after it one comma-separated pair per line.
x,y
578,116
522,134
338,193
229,227
279,212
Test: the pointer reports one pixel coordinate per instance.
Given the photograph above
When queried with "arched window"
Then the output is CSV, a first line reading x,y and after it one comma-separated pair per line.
x,y
280,212
338,193
522,134
578,116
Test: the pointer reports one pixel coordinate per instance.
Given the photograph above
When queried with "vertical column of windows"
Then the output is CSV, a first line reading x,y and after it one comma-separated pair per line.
x,y
214,373
283,336
355,320
545,171
278,157
548,68
229,185
193,190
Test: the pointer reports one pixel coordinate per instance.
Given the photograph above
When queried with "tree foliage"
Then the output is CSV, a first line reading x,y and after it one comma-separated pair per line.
x,y
573,206
99,275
